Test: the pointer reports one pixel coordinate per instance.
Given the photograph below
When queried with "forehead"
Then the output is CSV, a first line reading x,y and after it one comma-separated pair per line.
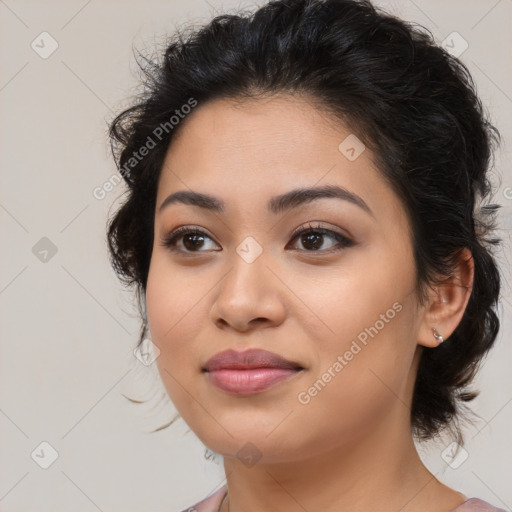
x,y
248,151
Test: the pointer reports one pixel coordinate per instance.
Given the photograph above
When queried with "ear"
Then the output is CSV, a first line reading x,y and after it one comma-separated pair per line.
x,y
447,302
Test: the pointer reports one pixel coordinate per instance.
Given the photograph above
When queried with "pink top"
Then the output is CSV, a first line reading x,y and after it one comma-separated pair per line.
x,y
212,504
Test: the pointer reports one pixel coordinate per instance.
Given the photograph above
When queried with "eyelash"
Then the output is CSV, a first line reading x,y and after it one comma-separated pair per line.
x,y
170,240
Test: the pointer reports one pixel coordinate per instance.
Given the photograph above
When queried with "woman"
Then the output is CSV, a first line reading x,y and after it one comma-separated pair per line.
x,y
305,232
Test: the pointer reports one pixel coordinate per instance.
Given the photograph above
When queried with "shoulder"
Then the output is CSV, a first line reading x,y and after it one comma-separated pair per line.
x,y
209,504
477,505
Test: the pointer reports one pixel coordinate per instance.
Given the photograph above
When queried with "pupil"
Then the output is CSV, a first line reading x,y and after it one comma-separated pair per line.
x,y
316,237
195,245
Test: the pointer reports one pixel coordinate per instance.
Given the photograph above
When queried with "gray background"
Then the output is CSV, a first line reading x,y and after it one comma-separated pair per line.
x,y
67,326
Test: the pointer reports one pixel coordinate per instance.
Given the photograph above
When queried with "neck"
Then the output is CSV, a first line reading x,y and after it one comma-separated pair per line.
x,y
367,475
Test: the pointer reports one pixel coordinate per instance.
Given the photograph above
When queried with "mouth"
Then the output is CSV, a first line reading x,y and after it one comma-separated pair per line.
x,y
249,372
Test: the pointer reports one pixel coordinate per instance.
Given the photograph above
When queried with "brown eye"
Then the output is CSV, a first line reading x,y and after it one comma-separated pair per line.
x,y
192,240
313,239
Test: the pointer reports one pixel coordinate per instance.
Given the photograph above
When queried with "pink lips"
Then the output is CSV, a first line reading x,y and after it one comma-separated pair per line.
x,y
248,372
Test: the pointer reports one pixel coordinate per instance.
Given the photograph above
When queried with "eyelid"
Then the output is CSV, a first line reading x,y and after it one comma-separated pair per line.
x,y
314,225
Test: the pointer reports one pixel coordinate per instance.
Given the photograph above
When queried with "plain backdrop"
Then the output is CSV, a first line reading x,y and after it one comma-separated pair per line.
x,y
68,328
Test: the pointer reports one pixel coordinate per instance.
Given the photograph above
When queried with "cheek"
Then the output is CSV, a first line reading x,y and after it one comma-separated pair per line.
x,y
365,303
172,311
365,347
173,303
177,315
357,385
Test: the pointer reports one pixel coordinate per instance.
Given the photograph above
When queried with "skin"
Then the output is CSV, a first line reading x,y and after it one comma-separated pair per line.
x,y
350,447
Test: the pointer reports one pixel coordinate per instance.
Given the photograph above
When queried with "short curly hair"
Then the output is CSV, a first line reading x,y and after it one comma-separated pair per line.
x,y
409,100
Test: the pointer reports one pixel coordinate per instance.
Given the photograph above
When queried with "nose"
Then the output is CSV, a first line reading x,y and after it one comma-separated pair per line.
x,y
249,297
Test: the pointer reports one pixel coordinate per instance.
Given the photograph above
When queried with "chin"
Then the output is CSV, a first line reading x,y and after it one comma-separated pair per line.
x,y
251,444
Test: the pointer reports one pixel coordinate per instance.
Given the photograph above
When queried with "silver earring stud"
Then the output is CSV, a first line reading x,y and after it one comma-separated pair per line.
x,y
437,336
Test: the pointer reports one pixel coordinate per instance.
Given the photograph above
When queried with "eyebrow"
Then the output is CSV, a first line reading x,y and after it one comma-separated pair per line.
x,y
276,205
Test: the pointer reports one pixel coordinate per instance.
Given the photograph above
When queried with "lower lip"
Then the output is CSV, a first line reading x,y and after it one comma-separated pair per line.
x,y
249,381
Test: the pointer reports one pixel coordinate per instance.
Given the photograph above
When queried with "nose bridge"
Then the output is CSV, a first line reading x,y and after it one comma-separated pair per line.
x,y
248,290
248,276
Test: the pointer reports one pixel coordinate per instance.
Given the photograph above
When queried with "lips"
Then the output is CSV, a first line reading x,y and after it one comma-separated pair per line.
x,y
249,372
248,359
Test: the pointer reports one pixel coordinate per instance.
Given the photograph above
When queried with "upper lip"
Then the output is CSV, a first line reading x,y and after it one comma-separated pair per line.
x,y
251,358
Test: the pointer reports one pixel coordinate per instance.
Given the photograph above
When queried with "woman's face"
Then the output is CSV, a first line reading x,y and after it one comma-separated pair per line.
x,y
341,302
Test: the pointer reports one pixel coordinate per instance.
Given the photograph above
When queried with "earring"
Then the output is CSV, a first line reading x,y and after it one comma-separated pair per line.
x,y
437,336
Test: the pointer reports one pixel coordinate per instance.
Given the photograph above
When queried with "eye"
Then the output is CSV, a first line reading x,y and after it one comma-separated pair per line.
x,y
313,237
192,239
